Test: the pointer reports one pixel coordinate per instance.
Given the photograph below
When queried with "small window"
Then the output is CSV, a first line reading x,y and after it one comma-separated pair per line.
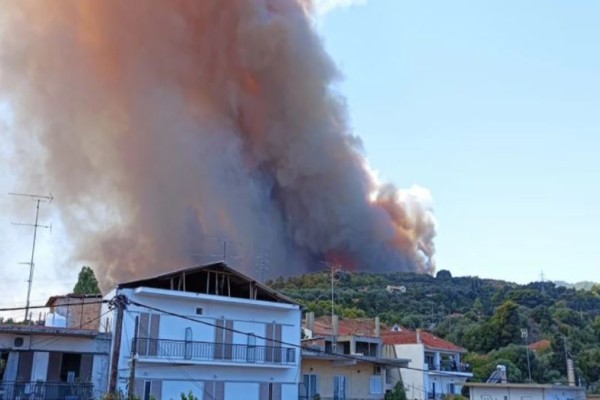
x,y
376,384
199,310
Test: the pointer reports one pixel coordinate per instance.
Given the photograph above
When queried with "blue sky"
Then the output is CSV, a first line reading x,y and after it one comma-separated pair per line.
x,y
493,106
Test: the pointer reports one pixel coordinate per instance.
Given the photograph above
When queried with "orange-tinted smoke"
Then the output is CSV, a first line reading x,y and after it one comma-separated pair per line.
x,y
163,125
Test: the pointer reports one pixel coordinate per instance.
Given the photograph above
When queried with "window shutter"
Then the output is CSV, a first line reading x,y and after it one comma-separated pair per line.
x,y
154,331
143,333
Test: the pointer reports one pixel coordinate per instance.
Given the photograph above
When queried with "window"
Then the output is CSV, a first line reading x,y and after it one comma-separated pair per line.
x,y
199,311
311,385
451,388
70,366
376,384
339,387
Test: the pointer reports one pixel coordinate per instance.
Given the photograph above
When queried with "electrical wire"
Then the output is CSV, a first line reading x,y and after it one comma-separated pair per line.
x,y
294,345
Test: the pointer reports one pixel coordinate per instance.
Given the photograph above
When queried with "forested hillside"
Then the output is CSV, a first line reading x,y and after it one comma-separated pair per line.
x,y
483,315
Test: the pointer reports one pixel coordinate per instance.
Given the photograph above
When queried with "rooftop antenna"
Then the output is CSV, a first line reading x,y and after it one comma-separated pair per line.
x,y
261,262
38,199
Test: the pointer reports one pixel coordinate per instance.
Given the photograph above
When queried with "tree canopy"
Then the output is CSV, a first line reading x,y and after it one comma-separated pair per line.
x,y
86,282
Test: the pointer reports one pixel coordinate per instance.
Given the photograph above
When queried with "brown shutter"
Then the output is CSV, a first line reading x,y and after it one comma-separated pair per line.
x,y
269,343
156,389
276,391
25,364
138,387
54,364
219,390
209,390
218,343
85,369
143,333
263,391
277,343
154,330
228,339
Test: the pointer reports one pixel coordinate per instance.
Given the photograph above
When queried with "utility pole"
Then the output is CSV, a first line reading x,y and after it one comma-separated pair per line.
x,y
38,199
119,302
525,335
131,385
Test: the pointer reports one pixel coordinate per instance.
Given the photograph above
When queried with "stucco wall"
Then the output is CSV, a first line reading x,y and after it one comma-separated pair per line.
x,y
358,378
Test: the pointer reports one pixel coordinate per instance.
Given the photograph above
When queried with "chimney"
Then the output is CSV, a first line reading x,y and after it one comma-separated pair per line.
x,y
377,327
419,336
571,372
310,321
334,325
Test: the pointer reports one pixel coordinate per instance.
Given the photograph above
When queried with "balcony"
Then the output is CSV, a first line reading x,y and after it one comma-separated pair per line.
x,y
223,353
45,391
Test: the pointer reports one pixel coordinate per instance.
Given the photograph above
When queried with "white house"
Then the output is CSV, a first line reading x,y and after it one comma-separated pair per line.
x,y
435,367
56,362
523,391
209,330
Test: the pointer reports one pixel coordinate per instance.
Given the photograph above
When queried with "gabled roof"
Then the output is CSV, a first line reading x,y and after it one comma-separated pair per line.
x,y
216,279
429,340
346,327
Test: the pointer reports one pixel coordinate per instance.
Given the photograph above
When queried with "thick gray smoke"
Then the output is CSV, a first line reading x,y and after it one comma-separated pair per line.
x,y
163,125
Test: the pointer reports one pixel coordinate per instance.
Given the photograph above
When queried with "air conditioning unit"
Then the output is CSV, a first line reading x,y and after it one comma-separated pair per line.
x,y
21,342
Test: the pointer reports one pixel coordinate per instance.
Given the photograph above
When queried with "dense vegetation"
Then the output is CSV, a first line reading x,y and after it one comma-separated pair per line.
x,y
485,316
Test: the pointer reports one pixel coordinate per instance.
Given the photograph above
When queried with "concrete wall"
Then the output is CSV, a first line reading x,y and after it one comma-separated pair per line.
x,y
240,380
358,378
415,380
521,393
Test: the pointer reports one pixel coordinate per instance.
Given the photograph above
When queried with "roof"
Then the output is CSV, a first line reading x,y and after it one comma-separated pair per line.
x,y
346,327
203,279
540,345
429,340
79,297
50,331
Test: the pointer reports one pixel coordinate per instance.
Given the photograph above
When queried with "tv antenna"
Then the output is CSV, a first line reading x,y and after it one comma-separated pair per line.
x,y
38,199
262,261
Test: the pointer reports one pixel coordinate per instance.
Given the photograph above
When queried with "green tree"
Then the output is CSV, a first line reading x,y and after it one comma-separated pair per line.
x,y
86,282
507,323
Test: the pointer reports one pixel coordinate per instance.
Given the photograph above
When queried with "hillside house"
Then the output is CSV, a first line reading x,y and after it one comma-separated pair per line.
x,y
212,331
435,369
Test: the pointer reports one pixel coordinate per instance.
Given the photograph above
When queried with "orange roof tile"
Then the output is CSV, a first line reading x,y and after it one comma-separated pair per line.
x,y
539,345
406,336
355,326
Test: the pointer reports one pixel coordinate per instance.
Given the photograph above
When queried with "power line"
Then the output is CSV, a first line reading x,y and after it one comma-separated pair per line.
x,y
44,306
330,353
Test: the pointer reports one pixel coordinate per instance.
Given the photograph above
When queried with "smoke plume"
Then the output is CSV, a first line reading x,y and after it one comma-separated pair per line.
x,y
168,129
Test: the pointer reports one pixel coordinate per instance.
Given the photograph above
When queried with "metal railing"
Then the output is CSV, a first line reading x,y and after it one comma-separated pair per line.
x,y
209,351
45,391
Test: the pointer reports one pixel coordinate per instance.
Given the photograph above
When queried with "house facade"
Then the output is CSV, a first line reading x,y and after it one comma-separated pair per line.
x,y
55,362
342,360
211,331
523,391
435,368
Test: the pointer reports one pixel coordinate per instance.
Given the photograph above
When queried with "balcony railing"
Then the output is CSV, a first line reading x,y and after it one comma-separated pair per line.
x,y
46,391
447,365
209,351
